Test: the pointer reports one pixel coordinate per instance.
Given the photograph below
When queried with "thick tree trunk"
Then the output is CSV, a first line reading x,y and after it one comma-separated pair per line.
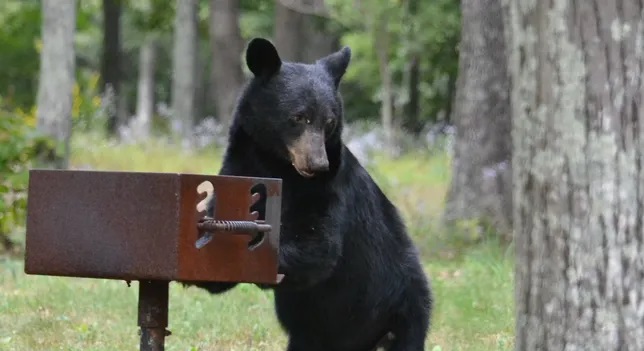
x,y
578,116
300,36
308,7
481,186
227,76
57,74
145,88
110,61
288,25
316,40
184,66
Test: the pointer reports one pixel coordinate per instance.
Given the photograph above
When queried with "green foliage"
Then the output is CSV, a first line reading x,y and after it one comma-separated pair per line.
x,y
440,25
19,61
256,18
90,150
430,30
87,110
149,15
20,143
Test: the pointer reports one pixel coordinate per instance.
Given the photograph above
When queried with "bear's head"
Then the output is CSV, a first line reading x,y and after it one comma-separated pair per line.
x,y
294,110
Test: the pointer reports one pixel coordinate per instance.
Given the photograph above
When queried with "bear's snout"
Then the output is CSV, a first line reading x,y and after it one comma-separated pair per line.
x,y
318,163
308,154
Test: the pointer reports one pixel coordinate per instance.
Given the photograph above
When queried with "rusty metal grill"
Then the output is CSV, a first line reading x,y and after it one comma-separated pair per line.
x,y
151,227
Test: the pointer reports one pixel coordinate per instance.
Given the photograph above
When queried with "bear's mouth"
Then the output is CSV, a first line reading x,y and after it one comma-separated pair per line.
x,y
303,173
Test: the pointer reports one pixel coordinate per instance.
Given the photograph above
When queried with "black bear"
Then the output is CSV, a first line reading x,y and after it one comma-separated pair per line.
x,y
352,276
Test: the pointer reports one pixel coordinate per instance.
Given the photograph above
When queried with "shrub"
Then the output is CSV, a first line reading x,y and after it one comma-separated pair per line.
x,y
20,144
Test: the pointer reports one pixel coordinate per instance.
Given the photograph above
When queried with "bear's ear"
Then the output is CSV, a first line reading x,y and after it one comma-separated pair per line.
x,y
262,58
336,64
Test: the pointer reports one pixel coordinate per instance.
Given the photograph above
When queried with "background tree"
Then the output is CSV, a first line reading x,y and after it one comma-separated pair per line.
x,y
184,66
577,127
145,90
57,74
111,62
481,187
302,30
151,31
411,74
227,76
387,70
287,34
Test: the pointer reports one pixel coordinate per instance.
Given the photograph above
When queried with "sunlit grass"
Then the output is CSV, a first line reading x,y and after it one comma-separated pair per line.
x,y
473,284
473,311
153,156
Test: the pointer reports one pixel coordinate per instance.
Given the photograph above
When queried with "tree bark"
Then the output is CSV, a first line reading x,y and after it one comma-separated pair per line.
x,y
288,26
145,88
411,109
381,40
316,39
57,74
111,62
481,186
227,75
411,75
308,7
184,66
302,36
577,133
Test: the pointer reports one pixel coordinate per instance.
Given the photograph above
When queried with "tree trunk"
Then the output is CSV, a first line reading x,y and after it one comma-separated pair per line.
x,y
288,28
316,39
145,88
481,186
227,75
184,66
307,7
411,80
302,37
577,133
110,62
57,74
411,109
451,95
380,31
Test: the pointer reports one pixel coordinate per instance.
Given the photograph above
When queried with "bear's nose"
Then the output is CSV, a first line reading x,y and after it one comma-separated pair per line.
x,y
320,164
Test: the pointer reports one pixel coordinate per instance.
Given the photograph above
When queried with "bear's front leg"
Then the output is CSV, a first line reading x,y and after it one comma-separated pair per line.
x,y
410,339
211,287
295,346
308,258
411,321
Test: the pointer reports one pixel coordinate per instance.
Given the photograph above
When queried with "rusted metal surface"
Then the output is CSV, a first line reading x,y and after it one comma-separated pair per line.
x,y
132,226
208,224
228,256
153,314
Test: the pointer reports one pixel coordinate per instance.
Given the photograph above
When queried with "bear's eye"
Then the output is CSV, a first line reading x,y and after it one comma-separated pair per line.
x,y
299,118
330,123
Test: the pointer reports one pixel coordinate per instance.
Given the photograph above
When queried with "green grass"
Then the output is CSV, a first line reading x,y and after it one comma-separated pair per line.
x,y
473,283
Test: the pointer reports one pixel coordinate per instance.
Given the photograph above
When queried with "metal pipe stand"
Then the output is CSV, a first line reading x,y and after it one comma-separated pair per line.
x,y
153,314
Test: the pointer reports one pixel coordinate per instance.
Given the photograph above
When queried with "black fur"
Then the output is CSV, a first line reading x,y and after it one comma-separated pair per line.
x,y
352,273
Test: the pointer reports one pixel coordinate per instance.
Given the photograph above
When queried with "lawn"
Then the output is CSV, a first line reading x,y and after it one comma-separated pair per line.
x,y
472,282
